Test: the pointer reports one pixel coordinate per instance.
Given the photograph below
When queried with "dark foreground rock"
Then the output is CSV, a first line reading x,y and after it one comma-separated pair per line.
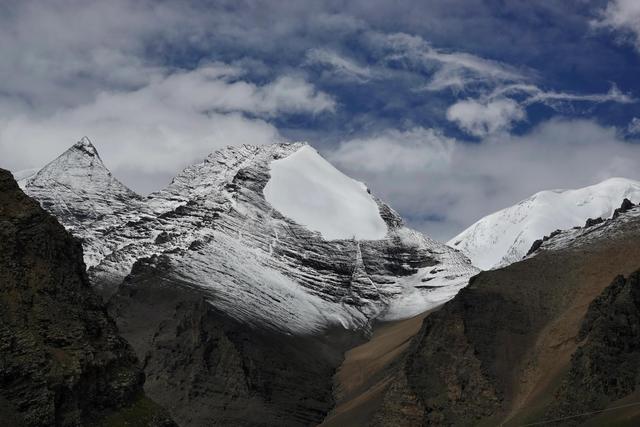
x,y
606,366
62,362
209,369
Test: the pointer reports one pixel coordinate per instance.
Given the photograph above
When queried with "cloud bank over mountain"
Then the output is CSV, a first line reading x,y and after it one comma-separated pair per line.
x,y
444,118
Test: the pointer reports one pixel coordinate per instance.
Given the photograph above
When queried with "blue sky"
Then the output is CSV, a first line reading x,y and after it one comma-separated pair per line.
x,y
448,110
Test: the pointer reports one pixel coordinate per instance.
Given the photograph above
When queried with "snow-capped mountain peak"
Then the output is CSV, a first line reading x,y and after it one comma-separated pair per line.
x,y
80,169
82,193
505,236
243,228
86,145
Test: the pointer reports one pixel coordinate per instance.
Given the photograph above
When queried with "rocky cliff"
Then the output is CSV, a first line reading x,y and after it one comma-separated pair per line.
x,y
62,362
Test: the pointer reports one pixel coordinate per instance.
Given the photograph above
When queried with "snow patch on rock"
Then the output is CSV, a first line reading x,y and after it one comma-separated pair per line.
x,y
309,190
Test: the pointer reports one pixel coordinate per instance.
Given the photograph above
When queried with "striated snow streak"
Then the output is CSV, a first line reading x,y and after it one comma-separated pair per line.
x,y
505,236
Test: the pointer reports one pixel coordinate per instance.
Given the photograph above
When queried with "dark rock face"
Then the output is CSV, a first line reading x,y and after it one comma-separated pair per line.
x,y
593,221
606,366
534,247
626,205
61,360
209,369
538,243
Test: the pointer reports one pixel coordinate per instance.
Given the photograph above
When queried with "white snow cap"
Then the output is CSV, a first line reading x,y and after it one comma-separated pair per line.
x,y
309,190
505,236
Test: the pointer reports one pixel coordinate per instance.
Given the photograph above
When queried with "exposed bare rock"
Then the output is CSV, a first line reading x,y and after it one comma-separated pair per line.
x,y
62,362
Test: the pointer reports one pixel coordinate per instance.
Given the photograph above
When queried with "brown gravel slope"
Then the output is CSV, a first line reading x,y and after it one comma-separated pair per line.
x,y
367,372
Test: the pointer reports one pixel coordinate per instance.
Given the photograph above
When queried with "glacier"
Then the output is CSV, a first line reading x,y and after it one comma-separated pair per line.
x,y
306,188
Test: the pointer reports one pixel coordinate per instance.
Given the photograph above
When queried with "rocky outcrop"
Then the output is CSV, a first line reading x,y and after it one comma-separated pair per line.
x,y
593,221
624,207
606,366
538,243
209,369
62,362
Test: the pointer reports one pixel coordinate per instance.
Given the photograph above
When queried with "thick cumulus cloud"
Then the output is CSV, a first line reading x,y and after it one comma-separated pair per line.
x,y
485,118
442,186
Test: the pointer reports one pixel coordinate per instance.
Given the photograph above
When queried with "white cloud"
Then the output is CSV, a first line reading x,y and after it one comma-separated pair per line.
x,y
501,93
163,126
622,16
536,95
103,69
485,118
496,112
634,126
442,187
393,150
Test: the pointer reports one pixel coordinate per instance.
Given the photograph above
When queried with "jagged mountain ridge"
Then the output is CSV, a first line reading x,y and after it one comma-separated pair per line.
x,y
216,232
505,236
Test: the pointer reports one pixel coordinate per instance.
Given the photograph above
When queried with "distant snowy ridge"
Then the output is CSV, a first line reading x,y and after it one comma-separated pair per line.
x,y
505,236
245,229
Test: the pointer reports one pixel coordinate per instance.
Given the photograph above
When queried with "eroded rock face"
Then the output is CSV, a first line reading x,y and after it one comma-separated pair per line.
x,y
606,366
240,315
62,362
209,369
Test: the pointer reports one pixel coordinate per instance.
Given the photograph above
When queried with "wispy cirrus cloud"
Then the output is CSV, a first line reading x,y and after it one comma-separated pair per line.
x,y
497,112
447,70
339,64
